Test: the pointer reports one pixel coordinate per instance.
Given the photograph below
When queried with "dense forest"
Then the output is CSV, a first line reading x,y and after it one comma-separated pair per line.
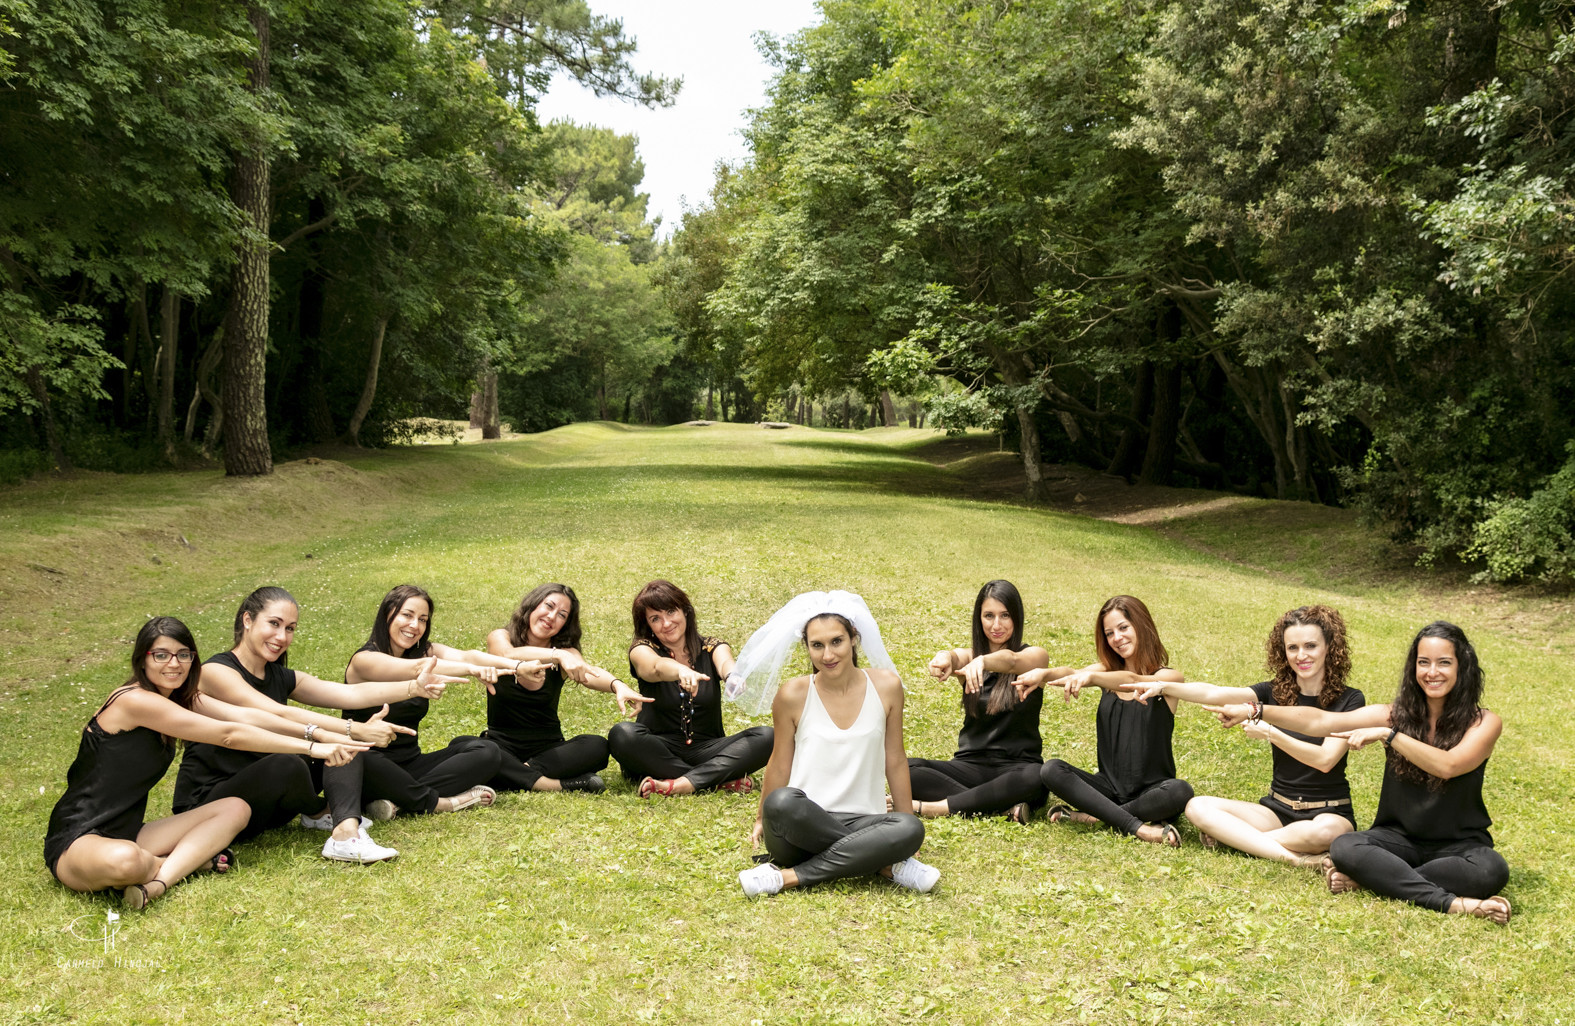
x,y
1311,250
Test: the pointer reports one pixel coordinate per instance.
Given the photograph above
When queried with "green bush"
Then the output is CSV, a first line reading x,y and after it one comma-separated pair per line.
x,y
1534,536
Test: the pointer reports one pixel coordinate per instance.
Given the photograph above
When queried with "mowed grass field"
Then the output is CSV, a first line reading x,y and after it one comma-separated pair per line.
x,y
572,908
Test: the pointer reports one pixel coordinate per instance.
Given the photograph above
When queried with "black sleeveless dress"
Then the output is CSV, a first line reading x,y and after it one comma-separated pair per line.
x,y
407,712
107,785
206,766
674,715
1134,744
523,721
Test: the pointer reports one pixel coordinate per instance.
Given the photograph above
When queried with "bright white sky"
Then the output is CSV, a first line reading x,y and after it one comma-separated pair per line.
x,y
710,44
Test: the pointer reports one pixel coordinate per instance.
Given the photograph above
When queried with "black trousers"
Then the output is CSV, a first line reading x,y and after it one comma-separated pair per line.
x,y
820,845
277,787
523,765
643,753
972,787
1094,794
1396,865
416,784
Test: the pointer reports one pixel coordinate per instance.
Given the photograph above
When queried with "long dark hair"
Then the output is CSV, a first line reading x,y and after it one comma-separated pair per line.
x,y
382,638
255,603
847,625
1336,663
1462,706
1149,655
568,635
166,627
663,596
1005,592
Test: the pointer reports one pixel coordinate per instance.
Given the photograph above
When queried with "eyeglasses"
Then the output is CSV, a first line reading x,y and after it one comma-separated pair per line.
x,y
160,656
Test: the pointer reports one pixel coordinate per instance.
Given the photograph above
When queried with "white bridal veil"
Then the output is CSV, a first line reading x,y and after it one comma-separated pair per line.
x,y
758,670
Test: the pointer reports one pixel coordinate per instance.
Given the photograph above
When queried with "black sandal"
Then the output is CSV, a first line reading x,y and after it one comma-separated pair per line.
x,y
1170,835
224,861
1060,813
1019,813
137,898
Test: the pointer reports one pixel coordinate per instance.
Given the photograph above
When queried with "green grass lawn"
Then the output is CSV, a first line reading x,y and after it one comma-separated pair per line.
x,y
555,908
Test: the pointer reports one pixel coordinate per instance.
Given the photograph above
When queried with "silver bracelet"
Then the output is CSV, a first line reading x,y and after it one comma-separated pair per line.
x,y
349,733
311,728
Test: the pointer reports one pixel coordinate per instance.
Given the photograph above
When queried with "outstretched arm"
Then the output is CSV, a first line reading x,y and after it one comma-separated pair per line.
x,y
139,708
1202,694
976,669
1304,719
1472,751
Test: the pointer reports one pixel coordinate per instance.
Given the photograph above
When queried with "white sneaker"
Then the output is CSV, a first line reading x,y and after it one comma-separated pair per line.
x,y
323,822
763,879
915,875
381,810
358,849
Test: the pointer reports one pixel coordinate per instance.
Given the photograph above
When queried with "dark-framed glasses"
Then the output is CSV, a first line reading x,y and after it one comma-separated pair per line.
x,y
160,656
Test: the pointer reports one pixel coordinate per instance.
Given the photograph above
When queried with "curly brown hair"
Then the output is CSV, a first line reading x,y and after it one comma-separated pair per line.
x,y
1336,665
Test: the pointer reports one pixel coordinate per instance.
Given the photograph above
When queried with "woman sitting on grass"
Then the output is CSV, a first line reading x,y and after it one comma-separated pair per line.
x,y
1135,790
96,836
838,746
999,750
522,714
678,744
254,674
1309,800
1429,843
448,779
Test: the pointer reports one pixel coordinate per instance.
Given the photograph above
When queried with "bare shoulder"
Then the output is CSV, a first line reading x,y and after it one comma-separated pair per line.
x,y
498,641
886,682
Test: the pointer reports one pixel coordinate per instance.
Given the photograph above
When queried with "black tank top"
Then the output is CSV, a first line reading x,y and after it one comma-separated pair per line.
x,y
107,785
1011,734
1134,743
1294,778
206,766
406,712
524,718
674,714
1455,812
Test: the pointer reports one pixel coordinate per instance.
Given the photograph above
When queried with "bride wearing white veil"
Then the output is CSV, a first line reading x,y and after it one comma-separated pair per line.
x,y
838,747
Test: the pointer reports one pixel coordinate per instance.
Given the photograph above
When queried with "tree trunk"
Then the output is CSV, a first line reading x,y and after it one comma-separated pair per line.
x,y
246,449
1030,451
206,365
491,424
46,419
1159,459
369,388
170,332
888,410
710,400
477,404
1129,451
847,410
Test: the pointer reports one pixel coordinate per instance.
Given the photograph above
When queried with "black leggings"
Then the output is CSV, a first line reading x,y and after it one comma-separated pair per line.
x,y
417,784
820,845
277,787
1094,794
1432,875
972,787
523,765
642,753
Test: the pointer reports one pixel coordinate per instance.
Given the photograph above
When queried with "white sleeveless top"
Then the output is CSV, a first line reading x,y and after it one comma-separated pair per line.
x,y
842,770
